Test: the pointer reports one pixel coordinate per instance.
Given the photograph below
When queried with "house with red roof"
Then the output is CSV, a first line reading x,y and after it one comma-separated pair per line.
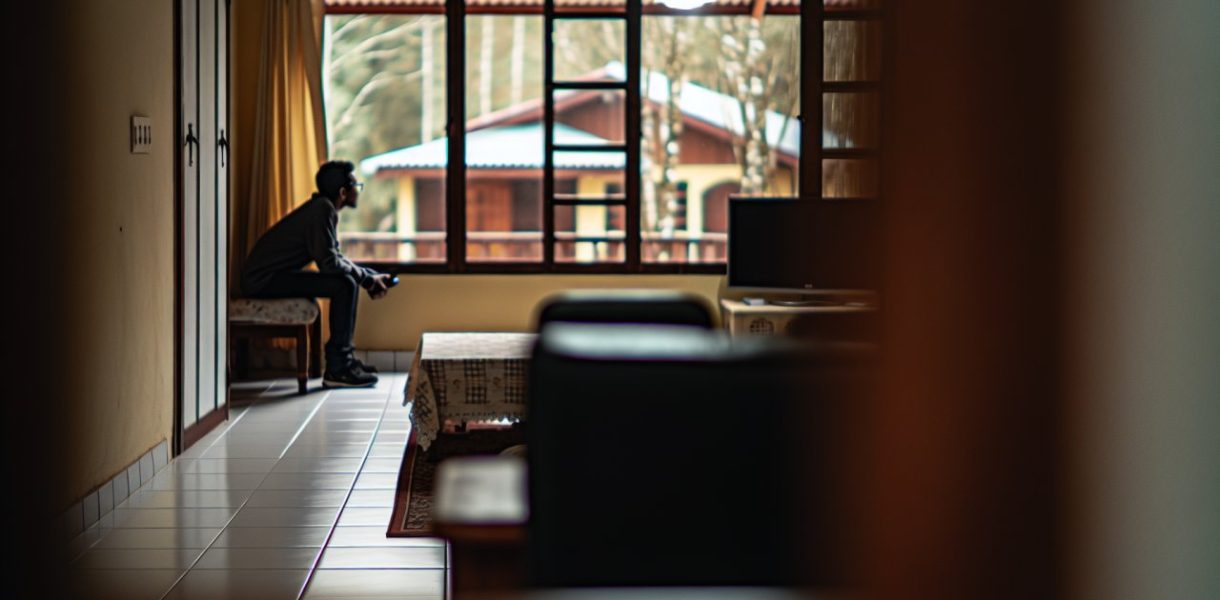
x,y
504,161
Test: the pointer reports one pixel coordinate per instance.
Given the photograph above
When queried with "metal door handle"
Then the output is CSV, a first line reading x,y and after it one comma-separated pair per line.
x,y
190,144
224,147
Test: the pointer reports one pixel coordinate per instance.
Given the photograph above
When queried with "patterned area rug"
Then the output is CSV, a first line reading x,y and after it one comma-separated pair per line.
x,y
412,514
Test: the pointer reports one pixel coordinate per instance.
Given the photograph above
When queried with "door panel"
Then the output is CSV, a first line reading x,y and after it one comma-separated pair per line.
x,y
222,202
189,77
203,74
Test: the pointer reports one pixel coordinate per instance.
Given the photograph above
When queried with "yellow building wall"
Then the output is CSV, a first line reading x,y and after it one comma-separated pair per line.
x,y
591,220
699,179
405,208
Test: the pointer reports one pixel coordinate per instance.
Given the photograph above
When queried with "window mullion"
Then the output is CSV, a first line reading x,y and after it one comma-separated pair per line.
x,y
455,129
632,178
812,49
548,135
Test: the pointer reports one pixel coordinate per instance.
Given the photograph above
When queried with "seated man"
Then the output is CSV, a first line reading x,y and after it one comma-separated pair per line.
x,y
307,234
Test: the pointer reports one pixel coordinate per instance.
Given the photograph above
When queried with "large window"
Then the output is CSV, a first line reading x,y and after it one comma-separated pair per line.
x,y
384,82
721,93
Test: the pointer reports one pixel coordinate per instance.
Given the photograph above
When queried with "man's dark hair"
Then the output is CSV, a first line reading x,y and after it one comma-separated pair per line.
x,y
333,176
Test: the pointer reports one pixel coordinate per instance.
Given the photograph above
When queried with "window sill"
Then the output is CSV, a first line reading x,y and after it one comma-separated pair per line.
x,y
540,269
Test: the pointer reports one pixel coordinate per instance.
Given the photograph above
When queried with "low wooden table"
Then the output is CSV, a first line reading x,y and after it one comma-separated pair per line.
x,y
482,509
467,377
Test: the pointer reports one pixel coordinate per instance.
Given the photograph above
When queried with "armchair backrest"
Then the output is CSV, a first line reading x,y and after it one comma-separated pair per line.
x,y
626,306
669,456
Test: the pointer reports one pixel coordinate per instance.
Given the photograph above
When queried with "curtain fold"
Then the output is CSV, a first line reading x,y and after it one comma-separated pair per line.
x,y
289,130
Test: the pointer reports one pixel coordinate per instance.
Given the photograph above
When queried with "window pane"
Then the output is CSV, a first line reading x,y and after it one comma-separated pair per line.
x,y
720,99
850,120
590,50
384,90
504,138
592,183
590,234
849,178
852,51
600,113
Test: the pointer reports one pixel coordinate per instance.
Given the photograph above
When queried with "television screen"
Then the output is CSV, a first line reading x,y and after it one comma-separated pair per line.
x,y
803,245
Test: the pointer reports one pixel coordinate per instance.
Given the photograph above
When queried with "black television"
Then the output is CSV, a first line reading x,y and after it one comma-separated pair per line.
x,y
807,247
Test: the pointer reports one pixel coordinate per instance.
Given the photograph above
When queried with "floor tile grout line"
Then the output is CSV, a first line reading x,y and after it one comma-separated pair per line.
x,y
230,426
367,452
305,423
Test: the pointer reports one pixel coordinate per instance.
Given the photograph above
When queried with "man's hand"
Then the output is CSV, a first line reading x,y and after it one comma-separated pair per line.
x,y
378,288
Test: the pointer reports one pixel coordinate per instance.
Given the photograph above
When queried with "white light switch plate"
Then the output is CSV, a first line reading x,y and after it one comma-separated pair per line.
x,y
141,135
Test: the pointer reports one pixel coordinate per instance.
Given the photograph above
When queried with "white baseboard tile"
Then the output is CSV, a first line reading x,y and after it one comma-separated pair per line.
x,y
72,522
90,506
160,455
402,360
382,359
105,498
387,361
98,504
146,468
133,477
121,491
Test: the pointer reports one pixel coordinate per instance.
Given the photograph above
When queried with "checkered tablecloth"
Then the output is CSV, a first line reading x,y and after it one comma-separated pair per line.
x,y
467,377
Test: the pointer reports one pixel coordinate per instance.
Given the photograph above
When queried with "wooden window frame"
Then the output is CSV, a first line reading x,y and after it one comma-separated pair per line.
x,y
812,16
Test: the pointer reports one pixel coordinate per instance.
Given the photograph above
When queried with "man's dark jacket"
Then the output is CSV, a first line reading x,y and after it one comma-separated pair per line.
x,y
305,235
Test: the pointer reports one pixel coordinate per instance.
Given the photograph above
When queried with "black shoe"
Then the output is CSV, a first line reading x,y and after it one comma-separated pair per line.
x,y
364,367
353,376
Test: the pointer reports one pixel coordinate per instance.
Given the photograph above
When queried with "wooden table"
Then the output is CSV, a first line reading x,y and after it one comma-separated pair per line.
x,y
482,509
467,377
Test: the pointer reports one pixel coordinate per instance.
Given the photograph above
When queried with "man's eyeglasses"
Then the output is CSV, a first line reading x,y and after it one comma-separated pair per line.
x,y
356,185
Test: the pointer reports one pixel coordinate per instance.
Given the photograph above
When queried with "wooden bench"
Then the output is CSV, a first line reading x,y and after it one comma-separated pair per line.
x,y
296,318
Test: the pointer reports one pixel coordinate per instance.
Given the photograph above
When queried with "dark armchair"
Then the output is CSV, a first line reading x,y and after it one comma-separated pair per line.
x,y
676,456
626,306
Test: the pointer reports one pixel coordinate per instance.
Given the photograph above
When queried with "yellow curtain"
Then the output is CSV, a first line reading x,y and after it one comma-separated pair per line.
x,y
289,129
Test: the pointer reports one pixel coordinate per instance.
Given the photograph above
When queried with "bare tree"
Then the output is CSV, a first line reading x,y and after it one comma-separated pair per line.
x,y
428,91
751,74
671,41
517,68
486,43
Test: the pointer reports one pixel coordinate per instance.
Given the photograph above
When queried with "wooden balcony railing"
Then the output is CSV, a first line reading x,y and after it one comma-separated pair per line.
x,y
428,247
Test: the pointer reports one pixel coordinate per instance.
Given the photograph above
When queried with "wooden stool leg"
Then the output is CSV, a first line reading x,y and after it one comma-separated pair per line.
x,y
315,347
243,356
303,359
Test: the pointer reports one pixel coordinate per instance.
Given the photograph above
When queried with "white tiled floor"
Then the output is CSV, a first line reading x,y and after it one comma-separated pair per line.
x,y
289,499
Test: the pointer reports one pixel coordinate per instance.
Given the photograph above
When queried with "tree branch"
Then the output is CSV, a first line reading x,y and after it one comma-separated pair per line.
x,y
372,41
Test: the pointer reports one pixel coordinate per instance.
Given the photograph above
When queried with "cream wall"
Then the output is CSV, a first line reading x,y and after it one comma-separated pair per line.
x,y
118,237
488,303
